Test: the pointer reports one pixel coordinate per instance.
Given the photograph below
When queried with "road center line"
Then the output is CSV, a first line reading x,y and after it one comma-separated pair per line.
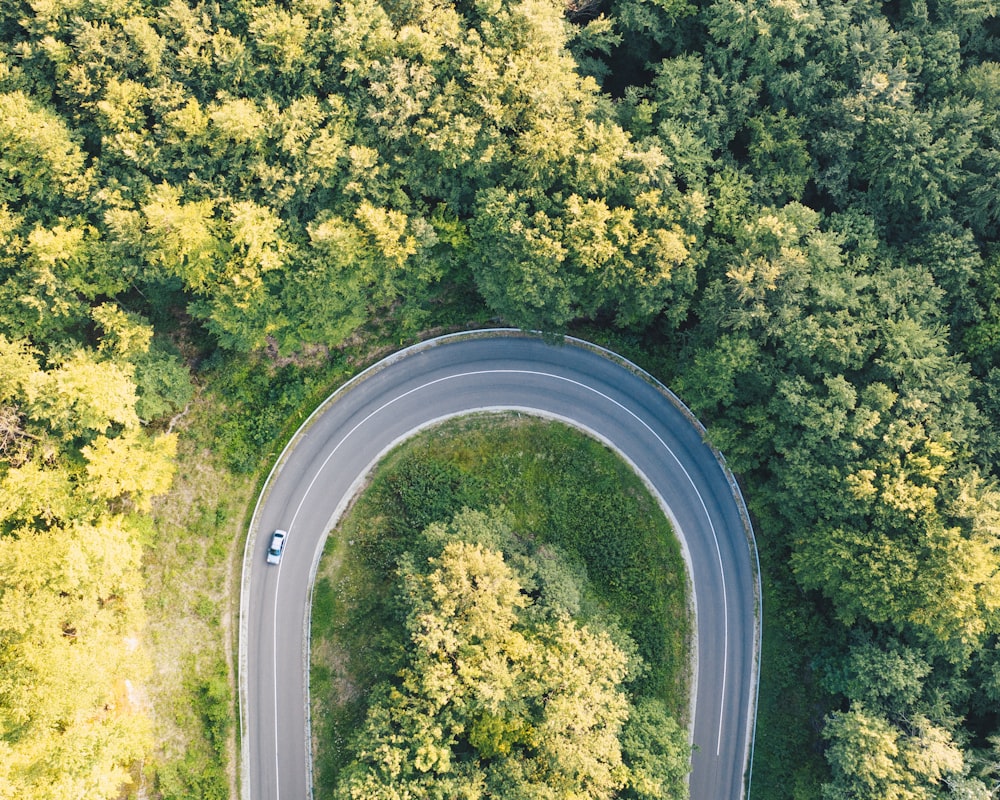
x,y
551,376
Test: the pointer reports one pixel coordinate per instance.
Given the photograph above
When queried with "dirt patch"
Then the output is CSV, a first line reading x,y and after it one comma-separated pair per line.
x,y
311,355
344,688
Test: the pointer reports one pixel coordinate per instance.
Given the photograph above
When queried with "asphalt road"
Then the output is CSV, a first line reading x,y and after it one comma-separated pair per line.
x,y
327,461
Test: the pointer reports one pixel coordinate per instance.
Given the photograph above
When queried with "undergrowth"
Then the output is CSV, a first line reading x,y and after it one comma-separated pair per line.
x,y
561,487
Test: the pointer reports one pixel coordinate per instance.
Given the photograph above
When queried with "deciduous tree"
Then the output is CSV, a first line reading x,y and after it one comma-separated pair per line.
x,y
497,699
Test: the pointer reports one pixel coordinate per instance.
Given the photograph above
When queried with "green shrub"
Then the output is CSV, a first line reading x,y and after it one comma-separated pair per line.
x,y
564,492
201,771
259,400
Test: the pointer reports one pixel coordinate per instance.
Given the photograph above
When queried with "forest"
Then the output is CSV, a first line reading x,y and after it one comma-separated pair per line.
x,y
791,208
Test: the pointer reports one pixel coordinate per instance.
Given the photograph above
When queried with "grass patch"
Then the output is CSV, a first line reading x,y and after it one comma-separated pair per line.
x,y
191,566
561,486
261,404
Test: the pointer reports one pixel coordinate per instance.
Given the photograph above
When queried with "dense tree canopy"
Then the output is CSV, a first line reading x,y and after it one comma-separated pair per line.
x,y
792,206
76,469
504,692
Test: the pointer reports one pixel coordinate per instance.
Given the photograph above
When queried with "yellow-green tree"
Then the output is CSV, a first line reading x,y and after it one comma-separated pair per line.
x,y
505,694
75,468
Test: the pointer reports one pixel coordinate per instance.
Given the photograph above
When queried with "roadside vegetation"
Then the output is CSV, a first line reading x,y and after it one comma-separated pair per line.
x,y
228,434
575,533
191,575
787,210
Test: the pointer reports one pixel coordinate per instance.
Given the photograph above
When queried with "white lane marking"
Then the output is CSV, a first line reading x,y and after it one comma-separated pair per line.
x,y
475,373
274,671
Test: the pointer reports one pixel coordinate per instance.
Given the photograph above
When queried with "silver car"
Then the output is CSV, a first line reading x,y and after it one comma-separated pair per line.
x,y
278,539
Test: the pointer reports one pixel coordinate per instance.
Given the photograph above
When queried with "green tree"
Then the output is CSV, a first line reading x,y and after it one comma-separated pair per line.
x,y
656,750
498,699
870,757
42,163
182,236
